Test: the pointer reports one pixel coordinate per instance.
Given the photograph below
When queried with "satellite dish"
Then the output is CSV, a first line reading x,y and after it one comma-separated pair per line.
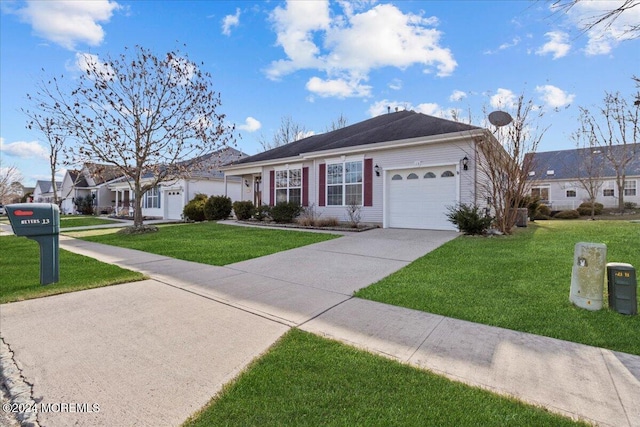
x,y
500,118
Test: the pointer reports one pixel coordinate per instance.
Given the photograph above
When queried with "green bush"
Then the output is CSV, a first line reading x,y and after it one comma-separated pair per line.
x,y
630,205
244,210
194,210
285,212
585,208
470,219
84,205
543,212
217,208
568,214
262,212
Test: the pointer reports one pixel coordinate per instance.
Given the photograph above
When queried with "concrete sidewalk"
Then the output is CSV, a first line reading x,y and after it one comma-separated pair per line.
x,y
106,344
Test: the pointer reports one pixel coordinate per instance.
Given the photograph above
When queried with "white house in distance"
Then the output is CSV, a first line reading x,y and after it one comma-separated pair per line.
x,y
92,180
403,168
556,177
168,199
43,191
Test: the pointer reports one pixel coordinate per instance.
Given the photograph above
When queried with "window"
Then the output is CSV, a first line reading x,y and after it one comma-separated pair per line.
x,y
447,174
630,188
412,176
344,183
571,193
542,193
608,192
288,186
152,198
396,177
429,175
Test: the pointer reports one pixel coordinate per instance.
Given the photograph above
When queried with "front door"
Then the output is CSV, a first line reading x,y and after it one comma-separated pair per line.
x,y
257,190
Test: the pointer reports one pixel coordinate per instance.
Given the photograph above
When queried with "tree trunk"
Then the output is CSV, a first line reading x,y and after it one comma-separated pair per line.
x,y
137,207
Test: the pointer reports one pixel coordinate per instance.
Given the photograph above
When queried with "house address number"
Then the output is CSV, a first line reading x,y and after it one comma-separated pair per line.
x,y
43,221
622,274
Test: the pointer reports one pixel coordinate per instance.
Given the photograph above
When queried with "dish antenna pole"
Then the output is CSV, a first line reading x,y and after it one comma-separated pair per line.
x,y
499,119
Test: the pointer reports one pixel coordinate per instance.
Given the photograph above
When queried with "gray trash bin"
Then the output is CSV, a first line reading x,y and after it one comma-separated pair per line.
x,y
622,287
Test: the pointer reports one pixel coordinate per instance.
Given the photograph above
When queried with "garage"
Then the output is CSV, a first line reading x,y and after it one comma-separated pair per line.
x,y
418,198
174,204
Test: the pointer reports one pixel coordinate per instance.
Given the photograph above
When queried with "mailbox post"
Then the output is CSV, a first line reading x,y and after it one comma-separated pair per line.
x,y
39,222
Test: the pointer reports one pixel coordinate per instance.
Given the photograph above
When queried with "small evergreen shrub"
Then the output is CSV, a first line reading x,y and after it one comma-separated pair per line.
x,y
470,219
568,214
543,212
285,212
217,208
630,205
585,208
84,205
263,212
244,210
194,210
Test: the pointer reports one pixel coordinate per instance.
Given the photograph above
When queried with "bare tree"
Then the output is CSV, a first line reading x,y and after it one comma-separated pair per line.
x,y
615,128
55,138
605,18
288,131
504,164
145,114
9,175
339,123
590,167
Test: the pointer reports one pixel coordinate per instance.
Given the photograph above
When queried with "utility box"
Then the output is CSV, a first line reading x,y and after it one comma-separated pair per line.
x,y
522,217
587,277
39,222
622,286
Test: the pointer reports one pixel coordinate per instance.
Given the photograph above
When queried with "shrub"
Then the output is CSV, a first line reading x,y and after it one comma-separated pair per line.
x,y
309,216
630,205
470,219
244,210
262,212
285,212
84,205
194,210
217,207
354,214
585,208
568,214
544,212
328,222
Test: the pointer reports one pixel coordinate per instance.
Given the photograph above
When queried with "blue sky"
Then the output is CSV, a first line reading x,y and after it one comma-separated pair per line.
x,y
316,60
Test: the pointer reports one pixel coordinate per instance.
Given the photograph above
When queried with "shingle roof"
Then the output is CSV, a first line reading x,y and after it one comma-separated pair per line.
x,y
46,187
570,164
387,127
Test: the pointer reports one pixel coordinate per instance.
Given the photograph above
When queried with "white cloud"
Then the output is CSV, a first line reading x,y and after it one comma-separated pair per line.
x,y
395,84
353,44
385,106
457,95
68,23
339,88
603,37
90,62
250,125
557,44
504,98
230,21
554,97
24,149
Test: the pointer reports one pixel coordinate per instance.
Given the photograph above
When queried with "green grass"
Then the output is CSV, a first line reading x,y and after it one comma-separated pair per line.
x,y
212,243
305,380
519,282
67,221
20,271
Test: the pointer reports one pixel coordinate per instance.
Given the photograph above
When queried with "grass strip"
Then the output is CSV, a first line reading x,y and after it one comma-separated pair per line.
x,y
20,272
519,282
305,380
212,243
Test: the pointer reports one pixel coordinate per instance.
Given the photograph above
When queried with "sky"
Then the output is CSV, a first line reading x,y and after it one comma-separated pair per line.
x,y
315,61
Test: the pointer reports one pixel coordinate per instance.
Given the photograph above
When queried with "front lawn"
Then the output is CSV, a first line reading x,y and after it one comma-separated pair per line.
x,y
211,243
20,272
68,221
305,380
519,282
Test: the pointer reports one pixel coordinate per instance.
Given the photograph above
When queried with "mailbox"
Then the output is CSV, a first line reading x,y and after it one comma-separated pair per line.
x,y
622,284
39,222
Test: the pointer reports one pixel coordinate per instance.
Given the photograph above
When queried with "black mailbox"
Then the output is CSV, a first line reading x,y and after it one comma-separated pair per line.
x,y
39,222
622,285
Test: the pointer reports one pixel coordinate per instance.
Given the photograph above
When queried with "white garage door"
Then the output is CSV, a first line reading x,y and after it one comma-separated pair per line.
x,y
418,198
174,204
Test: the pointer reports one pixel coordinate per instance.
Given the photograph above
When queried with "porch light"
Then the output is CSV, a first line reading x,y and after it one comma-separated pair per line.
x,y
377,169
246,183
465,163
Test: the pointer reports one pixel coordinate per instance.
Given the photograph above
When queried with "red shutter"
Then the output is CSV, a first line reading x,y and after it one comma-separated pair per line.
x,y
368,182
272,187
305,186
321,184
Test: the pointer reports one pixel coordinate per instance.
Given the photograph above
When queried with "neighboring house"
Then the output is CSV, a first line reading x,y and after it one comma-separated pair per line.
x,y
557,174
43,191
168,199
92,180
403,169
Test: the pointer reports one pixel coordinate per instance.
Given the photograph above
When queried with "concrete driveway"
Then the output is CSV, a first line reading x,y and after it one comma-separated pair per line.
x,y
154,352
